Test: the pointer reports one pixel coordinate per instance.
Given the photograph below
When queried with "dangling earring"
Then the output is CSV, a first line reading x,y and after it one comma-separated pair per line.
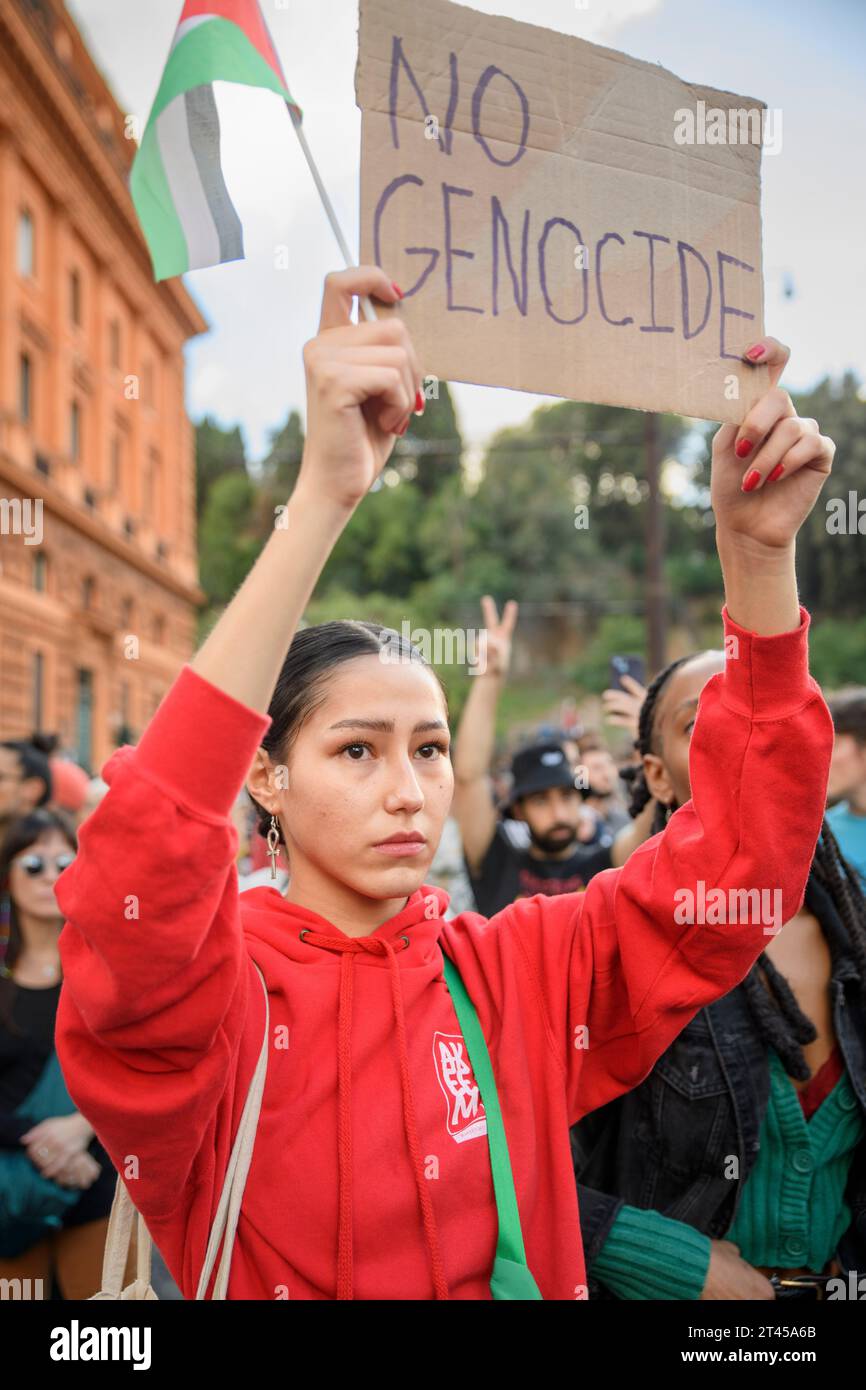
x,y
273,842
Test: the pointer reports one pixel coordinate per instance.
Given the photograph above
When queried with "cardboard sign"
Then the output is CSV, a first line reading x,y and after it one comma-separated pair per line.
x,y
562,218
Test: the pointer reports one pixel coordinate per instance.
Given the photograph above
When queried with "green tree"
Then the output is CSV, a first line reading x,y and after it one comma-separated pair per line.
x,y
617,634
559,506
228,536
432,444
217,451
386,545
282,463
380,548
837,652
831,566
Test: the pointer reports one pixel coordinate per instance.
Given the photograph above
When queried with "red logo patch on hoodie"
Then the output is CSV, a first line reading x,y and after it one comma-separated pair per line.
x,y
465,1109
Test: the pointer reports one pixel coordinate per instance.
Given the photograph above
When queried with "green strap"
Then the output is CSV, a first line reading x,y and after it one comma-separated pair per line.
x,y
511,1278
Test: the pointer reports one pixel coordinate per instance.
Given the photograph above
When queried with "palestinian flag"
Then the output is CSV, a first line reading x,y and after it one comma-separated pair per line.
x,y
176,181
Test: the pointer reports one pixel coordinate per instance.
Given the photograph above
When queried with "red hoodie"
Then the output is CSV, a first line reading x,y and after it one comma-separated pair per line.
x,y
370,1176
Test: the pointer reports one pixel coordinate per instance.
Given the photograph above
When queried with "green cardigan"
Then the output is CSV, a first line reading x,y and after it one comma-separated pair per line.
x,y
792,1208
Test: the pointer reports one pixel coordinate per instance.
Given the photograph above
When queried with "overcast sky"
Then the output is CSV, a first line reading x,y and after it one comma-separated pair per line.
x,y
804,58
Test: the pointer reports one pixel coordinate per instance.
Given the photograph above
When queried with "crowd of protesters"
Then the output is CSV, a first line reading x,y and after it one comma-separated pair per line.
x,y
760,1078
56,1180
719,1149
660,1216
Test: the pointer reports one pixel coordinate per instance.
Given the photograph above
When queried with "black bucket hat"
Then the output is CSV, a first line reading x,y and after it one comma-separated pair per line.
x,y
537,769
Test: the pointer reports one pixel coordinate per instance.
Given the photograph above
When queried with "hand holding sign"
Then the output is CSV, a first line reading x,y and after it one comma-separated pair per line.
x,y
780,448
363,382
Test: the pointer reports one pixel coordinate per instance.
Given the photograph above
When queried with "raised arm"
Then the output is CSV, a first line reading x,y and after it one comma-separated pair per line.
x,y
618,971
473,803
160,1016
759,761
363,382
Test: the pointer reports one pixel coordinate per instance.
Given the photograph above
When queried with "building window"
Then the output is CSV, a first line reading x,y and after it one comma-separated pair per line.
x,y
75,298
40,572
38,688
126,614
147,384
159,629
124,712
26,243
116,476
147,491
150,499
84,718
75,431
88,592
25,388
114,343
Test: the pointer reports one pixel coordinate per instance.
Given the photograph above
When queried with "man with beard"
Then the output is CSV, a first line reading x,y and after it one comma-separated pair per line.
x,y
541,846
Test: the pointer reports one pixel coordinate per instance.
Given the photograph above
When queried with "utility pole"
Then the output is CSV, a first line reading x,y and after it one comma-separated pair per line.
x,y
656,606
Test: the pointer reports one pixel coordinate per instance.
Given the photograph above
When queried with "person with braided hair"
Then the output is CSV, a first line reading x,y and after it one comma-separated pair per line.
x,y
740,1161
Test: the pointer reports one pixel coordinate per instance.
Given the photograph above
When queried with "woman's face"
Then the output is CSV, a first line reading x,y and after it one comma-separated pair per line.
x,y
371,761
667,767
34,893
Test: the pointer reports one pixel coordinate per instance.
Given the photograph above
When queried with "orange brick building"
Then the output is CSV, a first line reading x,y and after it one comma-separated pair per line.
x,y
98,569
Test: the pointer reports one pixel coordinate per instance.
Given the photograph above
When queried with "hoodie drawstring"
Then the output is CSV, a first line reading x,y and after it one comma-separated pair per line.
x,y
349,947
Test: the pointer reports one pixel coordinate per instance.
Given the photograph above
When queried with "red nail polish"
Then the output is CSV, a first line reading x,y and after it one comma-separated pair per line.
x,y
776,473
751,481
743,449
396,288
419,403
754,353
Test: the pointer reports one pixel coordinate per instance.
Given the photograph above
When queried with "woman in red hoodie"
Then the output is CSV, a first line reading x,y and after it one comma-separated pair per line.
x,y
371,1175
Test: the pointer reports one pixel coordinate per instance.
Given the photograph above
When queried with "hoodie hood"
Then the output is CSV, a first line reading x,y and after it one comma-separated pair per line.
x,y
268,918
409,939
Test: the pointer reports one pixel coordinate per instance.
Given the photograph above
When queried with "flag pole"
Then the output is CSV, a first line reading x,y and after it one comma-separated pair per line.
x,y
363,299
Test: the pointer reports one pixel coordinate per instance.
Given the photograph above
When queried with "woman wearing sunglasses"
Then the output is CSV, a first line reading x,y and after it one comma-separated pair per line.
x,y
395,1159
56,1180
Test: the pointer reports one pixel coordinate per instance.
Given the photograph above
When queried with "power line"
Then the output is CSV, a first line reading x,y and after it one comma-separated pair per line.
x,y
409,446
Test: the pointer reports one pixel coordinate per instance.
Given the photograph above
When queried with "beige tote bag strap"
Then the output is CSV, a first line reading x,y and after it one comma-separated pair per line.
x,y
123,1212
117,1241
229,1207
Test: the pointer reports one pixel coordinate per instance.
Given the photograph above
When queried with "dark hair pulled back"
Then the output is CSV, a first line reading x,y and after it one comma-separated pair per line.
x,y
301,686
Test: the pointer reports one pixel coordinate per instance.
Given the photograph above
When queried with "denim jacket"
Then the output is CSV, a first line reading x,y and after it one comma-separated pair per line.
x,y
664,1144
